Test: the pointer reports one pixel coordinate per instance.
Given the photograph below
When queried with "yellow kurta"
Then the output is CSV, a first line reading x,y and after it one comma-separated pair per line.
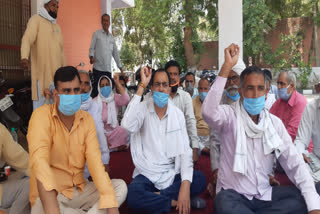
x,y
12,153
202,127
43,41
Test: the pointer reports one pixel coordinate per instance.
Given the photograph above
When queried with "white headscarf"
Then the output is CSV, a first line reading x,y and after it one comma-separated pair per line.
x,y
112,112
44,13
86,104
239,67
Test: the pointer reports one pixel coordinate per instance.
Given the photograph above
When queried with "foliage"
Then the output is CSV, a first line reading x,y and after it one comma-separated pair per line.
x,y
289,54
259,20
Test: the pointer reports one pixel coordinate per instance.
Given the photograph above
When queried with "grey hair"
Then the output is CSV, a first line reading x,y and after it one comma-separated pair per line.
x,y
83,72
291,77
251,70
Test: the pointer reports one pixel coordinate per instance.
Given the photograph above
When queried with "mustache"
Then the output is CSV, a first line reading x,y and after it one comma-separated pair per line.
x,y
232,87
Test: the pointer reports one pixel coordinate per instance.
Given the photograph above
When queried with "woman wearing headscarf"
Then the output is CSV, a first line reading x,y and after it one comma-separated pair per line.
x,y
109,104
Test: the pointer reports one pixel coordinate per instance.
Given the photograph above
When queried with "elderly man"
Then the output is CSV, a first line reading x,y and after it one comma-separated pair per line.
x,y
202,127
190,83
230,95
61,140
309,129
290,105
14,193
251,139
43,41
87,104
184,102
102,48
163,175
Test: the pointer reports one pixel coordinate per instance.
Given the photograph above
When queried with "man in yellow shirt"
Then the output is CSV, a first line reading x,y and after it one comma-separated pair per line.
x,y
14,192
61,139
43,41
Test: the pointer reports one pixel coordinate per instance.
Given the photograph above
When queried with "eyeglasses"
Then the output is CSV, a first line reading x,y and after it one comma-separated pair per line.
x,y
233,78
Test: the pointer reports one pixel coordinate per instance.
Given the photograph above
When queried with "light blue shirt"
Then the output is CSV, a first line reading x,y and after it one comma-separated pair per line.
x,y
102,48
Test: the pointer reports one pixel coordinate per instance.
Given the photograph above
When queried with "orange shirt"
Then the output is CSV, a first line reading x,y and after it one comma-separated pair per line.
x,y
58,157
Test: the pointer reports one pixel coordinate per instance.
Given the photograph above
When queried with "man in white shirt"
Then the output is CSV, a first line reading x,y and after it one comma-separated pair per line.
x,y
183,101
251,139
119,186
103,47
163,175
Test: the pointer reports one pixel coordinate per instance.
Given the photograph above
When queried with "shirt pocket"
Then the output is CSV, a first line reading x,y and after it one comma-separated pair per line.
x,y
77,151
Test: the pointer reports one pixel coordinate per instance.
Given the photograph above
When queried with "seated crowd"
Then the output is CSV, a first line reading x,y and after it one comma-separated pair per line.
x,y
249,135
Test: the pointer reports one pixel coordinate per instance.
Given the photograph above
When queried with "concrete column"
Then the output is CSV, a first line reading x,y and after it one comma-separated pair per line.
x,y
107,8
230,26
35,4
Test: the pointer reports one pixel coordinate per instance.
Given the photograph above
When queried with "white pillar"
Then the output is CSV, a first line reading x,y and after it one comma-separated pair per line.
x,y
107,8
35,4
230,26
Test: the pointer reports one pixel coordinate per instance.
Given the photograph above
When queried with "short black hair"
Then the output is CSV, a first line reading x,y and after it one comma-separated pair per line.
x,y
65,74
105,14
172,63
268,74
157,71
252,70
191,73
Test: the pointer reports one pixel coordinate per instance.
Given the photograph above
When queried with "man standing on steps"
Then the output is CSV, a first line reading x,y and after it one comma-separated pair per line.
x,y
43,41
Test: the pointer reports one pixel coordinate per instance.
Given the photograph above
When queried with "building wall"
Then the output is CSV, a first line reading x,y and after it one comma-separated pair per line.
x,y
78,20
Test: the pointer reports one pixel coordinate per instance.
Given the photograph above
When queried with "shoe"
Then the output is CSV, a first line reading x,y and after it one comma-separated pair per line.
x,y
198,203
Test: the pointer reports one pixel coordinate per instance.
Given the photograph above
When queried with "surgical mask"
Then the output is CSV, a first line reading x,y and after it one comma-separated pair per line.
x,y
189,88
160,99
202,95
254,105
235,97
69,104
85,96
106,91
282,93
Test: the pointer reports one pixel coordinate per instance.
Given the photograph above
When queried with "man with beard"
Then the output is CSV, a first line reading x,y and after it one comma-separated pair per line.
x,y
183,101
43,41
229,96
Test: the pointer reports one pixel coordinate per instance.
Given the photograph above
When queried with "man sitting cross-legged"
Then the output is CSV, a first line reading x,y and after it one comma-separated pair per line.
x,y
163,175
251,138
61,139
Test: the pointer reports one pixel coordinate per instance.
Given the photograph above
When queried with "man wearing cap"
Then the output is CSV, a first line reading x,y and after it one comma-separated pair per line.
x,y
43,41
230,96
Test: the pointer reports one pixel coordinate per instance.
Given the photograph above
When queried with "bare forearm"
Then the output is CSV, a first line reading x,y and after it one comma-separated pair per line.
x,y
48,199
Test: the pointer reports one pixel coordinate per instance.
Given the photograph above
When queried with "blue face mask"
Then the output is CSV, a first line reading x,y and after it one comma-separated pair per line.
x,y
160,99
282,93
85,96
106,91
254,105
202,95
235,97
69,104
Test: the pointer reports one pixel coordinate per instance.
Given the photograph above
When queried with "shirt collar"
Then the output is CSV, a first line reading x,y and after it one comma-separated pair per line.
x,y
105,32
292,99
152,109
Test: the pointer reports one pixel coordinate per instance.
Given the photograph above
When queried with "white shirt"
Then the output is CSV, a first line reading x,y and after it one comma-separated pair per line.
x,y
147,130
92,108
309,128
102,48
183,101
271,98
